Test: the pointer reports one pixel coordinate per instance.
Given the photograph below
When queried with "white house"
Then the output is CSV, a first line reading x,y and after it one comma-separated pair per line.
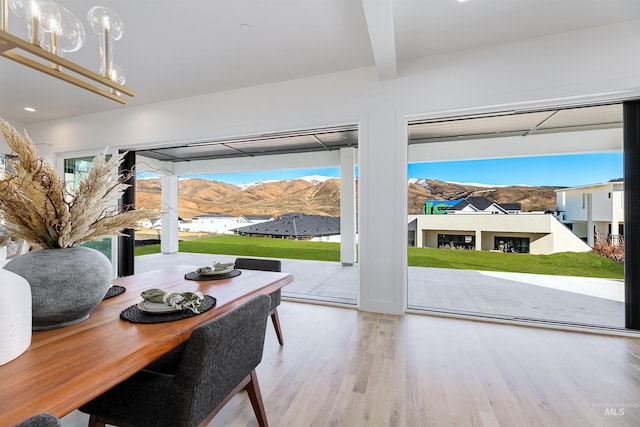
x,y
534,233
588,208
475,204
222,223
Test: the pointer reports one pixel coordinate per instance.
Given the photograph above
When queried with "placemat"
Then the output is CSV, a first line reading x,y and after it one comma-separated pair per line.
x,y
113,291
134,315
199,277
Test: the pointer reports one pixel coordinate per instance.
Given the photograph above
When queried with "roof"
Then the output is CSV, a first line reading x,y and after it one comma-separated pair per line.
x,y
295,225
258,217
215,215
511,206
482,204
615,183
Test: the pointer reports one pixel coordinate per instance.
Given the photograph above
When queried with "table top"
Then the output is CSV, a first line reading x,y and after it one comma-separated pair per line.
x,y
64,368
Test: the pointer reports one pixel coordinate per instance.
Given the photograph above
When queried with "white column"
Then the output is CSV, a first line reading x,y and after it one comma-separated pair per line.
x,y
382,232
169,237
590,234
347,206
478,240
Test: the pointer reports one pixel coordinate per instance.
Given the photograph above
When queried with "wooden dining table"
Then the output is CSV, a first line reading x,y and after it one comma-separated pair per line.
x,y
64,368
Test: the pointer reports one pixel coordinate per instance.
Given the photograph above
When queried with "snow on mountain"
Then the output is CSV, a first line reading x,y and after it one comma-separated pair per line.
x,y
313,179
252,184
316,179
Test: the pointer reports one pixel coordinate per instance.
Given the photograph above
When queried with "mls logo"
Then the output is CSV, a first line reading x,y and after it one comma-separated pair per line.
x,y
613,412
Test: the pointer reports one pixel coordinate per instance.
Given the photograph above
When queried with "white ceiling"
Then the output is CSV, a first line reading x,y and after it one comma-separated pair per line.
x,y
175,49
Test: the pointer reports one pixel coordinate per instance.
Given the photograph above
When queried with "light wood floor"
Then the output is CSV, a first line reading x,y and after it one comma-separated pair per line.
x,y
341,367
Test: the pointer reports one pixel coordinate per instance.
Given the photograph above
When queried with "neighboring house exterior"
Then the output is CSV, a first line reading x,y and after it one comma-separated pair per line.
x,y
476,223
439,207
475,204
221,223
534,233
296,226
588,208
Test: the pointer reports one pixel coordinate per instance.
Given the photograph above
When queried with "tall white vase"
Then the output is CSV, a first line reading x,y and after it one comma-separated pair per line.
x,y
15,316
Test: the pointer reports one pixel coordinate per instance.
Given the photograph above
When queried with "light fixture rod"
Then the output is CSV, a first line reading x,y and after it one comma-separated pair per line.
x,y
4,15
106,54
9,42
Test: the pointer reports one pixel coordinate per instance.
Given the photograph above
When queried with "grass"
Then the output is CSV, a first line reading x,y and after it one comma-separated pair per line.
x,y
255,246
561,264
586,264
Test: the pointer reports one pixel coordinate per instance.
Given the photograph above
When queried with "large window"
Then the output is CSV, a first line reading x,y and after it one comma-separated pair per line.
x,y
512,244
456,241
75,169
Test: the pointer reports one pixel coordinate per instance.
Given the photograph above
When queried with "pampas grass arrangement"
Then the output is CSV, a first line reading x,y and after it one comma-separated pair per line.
x,y
37,207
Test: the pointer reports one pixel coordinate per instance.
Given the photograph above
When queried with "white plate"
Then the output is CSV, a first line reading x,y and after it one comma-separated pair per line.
x,y
217,272
156,307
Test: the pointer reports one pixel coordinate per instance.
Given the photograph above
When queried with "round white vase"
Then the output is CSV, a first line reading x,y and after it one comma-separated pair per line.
x,y
15,316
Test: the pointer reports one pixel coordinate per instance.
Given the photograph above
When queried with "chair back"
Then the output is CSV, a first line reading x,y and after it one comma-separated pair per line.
x,y
217,357
41,420
258,264
264,265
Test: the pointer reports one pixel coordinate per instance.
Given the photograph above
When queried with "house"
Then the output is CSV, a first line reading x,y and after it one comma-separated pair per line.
x,y
534,233
295,226
439,207
588,209
219,223
478,204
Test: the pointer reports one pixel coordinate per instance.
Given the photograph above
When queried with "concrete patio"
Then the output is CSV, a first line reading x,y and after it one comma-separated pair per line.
x,y
514,296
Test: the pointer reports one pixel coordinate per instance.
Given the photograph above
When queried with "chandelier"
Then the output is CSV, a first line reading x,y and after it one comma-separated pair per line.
x,y
53,31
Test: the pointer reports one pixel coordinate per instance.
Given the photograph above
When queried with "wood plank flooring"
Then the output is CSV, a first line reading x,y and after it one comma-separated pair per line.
x,y
341,367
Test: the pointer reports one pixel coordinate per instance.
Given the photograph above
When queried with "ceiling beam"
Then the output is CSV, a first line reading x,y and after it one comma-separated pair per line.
x,y
379,17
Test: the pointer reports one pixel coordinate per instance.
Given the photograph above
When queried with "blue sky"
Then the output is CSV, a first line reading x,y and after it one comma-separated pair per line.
x,y
565,171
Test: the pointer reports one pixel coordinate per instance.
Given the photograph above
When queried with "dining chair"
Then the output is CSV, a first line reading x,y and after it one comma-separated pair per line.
x,y
190,385
276,297
41,420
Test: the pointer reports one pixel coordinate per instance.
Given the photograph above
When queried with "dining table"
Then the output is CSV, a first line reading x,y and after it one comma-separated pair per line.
x,y
65,368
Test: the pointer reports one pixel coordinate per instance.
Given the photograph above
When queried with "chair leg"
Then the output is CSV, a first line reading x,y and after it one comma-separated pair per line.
x,y
94,421
255,396
276,324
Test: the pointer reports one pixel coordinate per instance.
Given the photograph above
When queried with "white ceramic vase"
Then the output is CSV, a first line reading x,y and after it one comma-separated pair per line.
x,y
15,316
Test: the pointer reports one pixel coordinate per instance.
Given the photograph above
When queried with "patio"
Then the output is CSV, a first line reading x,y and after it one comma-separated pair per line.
x,y
512,296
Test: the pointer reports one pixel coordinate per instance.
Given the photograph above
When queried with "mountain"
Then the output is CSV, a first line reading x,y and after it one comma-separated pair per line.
x,y
531,198
321,196
199,196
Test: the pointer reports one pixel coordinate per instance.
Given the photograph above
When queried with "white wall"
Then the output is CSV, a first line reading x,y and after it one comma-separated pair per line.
x,y
585,65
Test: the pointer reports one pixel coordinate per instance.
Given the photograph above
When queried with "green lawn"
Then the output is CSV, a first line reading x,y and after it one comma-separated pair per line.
x,y
562,264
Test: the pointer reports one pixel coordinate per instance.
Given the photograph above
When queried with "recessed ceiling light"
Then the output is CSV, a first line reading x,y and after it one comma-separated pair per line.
x,y
245,27
30,109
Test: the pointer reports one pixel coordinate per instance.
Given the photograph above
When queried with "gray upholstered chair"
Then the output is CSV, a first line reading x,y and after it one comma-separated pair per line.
x,y
189,386
276,297
41,420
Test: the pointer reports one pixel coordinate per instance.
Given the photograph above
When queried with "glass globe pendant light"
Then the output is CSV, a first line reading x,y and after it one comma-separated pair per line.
x,y
69,36
108,26
38,15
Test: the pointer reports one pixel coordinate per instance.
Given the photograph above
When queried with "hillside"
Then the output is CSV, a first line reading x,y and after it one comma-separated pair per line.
x,y
531,198
198,196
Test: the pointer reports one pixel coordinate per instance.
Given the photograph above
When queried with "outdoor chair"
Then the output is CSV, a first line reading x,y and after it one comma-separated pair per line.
x,y
188,386
41,420
276,297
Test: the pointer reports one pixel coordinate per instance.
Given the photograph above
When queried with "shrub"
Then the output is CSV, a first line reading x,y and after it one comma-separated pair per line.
x,y
609,249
